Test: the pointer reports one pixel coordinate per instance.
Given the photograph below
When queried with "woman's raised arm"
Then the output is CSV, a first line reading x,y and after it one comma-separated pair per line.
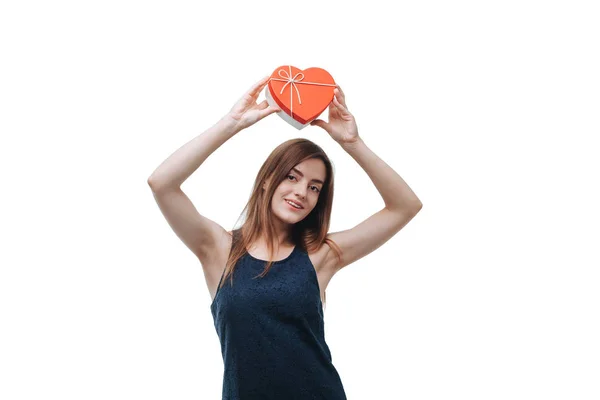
x,y
188,158
200,234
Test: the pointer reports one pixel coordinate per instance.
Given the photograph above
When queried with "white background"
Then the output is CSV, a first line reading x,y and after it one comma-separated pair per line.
x,y
488,110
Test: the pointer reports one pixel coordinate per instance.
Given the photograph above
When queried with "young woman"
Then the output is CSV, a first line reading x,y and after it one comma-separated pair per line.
x,y
269,318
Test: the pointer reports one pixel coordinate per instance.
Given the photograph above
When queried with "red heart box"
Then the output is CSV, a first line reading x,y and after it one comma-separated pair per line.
x,y
302,95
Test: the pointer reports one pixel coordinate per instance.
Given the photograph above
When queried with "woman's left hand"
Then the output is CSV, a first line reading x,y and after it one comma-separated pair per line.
x,y
341,126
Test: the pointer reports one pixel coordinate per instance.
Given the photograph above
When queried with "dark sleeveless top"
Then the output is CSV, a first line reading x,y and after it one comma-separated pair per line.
x,y
272,334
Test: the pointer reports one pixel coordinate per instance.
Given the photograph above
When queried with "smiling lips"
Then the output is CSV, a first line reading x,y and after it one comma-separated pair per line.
x,y
298,206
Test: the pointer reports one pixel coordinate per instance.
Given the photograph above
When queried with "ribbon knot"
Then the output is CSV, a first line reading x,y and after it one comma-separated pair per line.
x,y
289,80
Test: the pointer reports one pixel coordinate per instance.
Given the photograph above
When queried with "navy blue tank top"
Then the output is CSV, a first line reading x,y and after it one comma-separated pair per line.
x,y
272,333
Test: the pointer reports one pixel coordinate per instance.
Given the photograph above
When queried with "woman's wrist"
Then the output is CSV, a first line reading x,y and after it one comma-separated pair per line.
x,y
229,124
351,143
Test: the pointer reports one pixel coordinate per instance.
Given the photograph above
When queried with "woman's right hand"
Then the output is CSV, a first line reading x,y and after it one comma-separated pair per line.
x,y
246,112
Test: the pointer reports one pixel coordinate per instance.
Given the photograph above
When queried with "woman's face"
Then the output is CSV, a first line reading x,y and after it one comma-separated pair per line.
x,y
302,186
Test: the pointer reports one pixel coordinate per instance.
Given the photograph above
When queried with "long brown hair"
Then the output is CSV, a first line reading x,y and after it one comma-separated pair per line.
x,y
308,234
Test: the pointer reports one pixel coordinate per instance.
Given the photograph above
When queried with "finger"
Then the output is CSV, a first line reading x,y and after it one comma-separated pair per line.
x,y
338,87
267,111
320,123
263,104
340,106
340,96
258,86
333,109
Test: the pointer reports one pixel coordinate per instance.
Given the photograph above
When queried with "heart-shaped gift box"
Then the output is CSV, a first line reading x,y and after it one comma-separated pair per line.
x,y
302,95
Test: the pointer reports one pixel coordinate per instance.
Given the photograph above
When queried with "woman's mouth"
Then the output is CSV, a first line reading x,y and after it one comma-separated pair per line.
x,y
292,206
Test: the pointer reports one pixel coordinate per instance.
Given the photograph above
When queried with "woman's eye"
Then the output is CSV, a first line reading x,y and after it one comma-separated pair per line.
x,y
314,188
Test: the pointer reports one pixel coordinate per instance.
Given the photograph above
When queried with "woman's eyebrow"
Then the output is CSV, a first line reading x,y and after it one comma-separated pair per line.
x,y
301,174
